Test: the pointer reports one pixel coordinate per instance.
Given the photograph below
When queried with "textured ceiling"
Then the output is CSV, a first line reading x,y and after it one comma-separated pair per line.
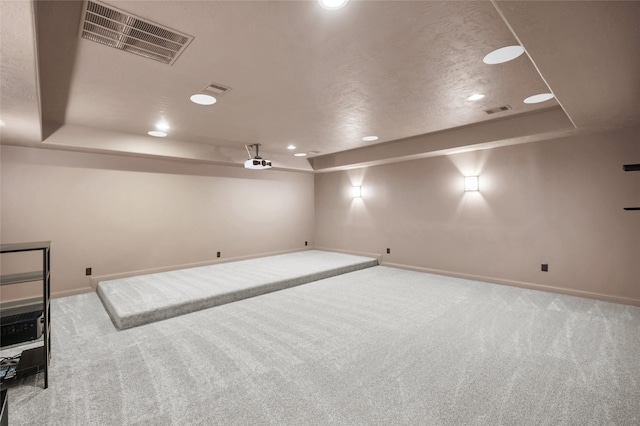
x,y
19,108
315,78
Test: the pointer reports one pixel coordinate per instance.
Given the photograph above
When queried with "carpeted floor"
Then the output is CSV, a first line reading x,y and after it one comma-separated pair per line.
x,y
379,346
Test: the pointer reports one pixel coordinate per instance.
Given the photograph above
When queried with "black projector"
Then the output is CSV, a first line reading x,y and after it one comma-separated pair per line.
x,y
21,328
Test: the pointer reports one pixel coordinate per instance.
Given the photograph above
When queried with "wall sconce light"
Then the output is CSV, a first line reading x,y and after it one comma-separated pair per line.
x,y
471,183
356,191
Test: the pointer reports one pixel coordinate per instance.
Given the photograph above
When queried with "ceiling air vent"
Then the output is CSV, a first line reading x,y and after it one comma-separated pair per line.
x,y
113,27
215,89
497,109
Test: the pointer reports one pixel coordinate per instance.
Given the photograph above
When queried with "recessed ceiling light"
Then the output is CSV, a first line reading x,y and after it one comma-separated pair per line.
x,y
162,126
300,154
370,138
538,98
503,54
291,147
157,133
202,99
475,97
332,4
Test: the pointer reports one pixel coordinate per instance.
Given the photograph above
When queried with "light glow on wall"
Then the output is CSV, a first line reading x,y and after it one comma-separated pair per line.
x,y
332,4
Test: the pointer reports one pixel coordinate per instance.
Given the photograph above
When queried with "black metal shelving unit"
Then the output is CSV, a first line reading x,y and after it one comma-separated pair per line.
x,y
631,168
45,276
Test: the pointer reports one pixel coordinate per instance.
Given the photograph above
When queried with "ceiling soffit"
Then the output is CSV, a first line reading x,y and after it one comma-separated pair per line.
x,y
533,127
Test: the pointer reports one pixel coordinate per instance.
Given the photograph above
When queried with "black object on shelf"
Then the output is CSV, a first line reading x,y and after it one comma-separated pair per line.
x,y
39,357
21,327
31,361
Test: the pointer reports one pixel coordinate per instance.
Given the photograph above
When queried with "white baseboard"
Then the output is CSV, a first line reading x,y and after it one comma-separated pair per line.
x,y
520,284
29,300
355,253
74,292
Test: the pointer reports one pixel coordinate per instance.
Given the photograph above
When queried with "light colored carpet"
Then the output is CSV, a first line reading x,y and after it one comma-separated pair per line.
x,y
148,298
379,346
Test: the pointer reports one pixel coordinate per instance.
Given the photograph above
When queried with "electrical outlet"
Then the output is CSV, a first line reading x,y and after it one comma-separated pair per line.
x,y
218,254
388,251
87,271
544,267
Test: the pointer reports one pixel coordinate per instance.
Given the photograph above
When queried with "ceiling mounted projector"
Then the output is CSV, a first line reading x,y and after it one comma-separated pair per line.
x,y
257,162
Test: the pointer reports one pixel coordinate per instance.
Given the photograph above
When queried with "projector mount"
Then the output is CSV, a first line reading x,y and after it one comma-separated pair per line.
x,y
257,162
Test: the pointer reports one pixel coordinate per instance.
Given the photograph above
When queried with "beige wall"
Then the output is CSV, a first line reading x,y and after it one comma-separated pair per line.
x,y
558,202
125,214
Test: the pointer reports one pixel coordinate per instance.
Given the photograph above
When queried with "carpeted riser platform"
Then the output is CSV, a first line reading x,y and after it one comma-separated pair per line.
x,y
140,300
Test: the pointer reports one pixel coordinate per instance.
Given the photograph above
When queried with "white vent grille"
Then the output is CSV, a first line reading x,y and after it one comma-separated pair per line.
x,y
118,29
215,89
